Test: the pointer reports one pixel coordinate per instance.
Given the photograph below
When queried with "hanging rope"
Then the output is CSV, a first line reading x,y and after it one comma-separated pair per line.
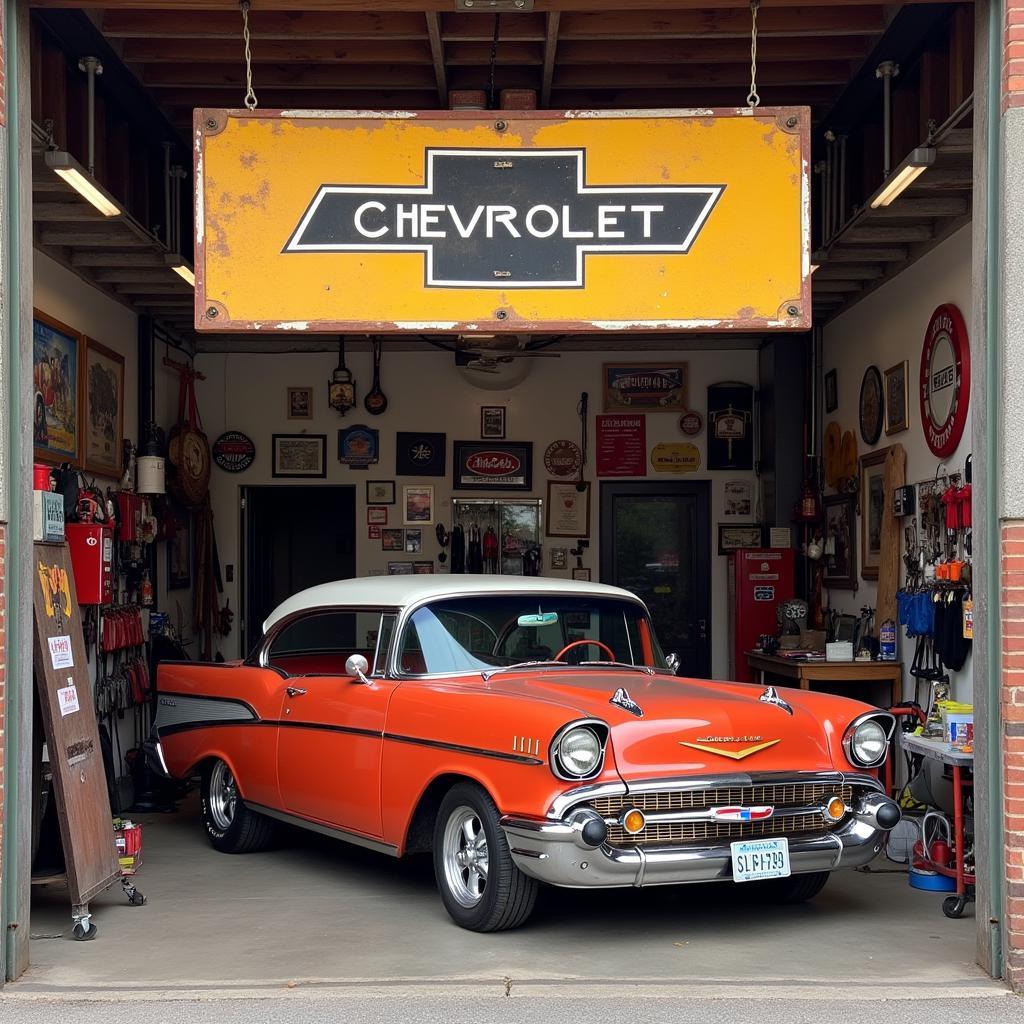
x,y
753,100
250,94
494,55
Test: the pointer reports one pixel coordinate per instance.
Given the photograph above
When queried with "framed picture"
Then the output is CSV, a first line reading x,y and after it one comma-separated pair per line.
x,y
493,467
739,498
358,446
377,515
417,505
419,454
492,422
568,510
179,552
380,492
872,511
872,405
559,558
392,540
373,532
840,557
730,443
300,403
400,568
645,387
56,376
103,430
423,568
581,574
414,541
897,398
299,455
831,391
736,536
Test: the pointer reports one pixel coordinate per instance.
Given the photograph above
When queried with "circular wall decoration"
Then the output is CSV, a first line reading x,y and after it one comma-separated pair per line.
x,y
872,405
945,384
563,458
691,423
233,451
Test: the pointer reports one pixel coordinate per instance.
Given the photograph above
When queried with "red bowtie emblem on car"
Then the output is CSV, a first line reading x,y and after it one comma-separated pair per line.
x,y
742,813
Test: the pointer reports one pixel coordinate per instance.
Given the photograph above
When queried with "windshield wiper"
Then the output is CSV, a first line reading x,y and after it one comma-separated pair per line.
x,y
487,673
646,669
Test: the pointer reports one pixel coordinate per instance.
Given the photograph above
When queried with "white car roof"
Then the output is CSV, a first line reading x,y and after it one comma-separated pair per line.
x,y
399,591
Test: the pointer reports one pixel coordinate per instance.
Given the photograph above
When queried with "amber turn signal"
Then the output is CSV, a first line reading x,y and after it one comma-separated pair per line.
x,y
633,821
835,809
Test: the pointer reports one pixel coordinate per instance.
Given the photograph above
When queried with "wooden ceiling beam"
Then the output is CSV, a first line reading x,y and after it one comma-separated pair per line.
x,y
550,50
437,55
479,53
708,51
82,260
180,101
685,75
391,6
288,76
158,50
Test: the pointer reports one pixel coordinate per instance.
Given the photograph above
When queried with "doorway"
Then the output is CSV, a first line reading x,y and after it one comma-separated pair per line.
x,y
293,537
656,542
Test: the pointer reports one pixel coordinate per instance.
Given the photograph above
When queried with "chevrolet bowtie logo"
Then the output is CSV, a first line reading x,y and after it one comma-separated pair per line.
x,y
735,755
504,218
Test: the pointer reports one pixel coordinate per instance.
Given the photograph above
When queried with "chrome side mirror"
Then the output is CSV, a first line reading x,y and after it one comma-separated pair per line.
x,y
356,666
672,660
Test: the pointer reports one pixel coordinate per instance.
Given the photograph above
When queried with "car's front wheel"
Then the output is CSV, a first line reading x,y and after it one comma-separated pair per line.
x,y
231,826
480,886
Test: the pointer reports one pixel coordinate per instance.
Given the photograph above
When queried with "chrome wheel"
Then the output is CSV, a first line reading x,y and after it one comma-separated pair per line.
x,y
223,798
465,856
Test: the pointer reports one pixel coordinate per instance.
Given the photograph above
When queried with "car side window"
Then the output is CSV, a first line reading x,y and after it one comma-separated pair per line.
x,y
316,644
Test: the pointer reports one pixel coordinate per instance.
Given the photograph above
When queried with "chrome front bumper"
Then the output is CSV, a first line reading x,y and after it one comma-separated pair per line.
x,y
556,852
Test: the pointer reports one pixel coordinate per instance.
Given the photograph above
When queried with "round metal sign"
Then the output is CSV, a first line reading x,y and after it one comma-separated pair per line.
x,y
691,423
945,384
233,451
563,458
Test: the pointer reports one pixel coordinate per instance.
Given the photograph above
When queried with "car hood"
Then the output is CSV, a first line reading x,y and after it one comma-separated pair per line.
x,y
698,727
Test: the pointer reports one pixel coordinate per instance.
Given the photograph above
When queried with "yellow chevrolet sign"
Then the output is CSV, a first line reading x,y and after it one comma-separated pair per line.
x,y
344,221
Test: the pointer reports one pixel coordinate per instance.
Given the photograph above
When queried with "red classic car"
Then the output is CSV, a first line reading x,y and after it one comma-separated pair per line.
x,y
523,730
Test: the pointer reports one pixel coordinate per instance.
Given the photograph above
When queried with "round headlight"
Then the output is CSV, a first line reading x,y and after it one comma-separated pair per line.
x,y
579,752
868,744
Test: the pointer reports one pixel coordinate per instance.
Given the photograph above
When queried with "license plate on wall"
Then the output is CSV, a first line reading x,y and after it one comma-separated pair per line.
x,y
757,860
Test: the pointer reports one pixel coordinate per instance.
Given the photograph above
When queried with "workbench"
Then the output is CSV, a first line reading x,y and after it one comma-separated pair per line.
x,y
774,669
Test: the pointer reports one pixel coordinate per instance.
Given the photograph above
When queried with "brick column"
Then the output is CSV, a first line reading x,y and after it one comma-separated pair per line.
x,y
1013,55
3,674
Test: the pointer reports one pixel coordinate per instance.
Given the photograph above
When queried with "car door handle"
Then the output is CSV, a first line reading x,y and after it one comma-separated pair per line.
x,y
295,691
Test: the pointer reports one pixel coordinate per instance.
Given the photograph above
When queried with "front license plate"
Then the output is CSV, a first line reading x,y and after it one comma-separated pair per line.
x,y
757,860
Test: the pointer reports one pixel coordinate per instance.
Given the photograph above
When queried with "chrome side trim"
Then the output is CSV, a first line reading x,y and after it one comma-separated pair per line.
x,y
327,830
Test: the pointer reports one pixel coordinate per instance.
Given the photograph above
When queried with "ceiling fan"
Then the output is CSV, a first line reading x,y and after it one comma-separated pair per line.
x,y
498,361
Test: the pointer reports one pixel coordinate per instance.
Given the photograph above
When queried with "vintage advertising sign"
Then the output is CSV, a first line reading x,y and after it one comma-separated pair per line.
x,y
675,457
621,445
493,466
233,451
645,387
454,221
945,386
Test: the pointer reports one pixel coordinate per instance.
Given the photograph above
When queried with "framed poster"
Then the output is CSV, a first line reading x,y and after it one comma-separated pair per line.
x,y
414,541
645,387
419,454
840,557
300,403
380,492
56,376
417,505
493,467
581,573
103,432
400,568
730,426
492,422
423,568
739,498
831,391
392,540
872,510
377,515
299,455
736,536
179,552
568,510
897,398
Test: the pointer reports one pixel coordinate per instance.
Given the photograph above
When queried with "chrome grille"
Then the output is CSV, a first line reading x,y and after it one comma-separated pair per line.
x,y
778,795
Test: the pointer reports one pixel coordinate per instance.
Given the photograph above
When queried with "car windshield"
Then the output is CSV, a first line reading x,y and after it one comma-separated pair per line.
x,y
488,631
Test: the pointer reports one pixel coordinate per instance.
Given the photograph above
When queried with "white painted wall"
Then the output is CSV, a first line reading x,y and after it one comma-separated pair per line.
x,y
248,392
883,329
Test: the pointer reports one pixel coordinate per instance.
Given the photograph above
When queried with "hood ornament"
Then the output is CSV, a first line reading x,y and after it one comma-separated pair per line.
x,y
771,696
621,699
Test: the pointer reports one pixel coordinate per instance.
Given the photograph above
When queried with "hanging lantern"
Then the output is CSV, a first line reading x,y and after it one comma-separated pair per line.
x,y
341,388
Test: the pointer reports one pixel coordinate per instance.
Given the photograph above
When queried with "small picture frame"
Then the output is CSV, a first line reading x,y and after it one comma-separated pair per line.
x,y
872,511
423,568
103,432
840,554
559,558
897,398
392,539
299,455
831,391
400,569
417,505
413,541
377,515
179,552
492,423
373,532
380,492
300,403
737,536
581,573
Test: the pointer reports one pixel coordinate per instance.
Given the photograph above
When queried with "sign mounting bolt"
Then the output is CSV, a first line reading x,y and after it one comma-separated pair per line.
x,y
211,312
211,124
793,310
501,314
791,122
500,126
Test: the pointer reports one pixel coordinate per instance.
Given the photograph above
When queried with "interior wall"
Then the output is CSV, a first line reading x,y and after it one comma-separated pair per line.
x,y
882,330
248,392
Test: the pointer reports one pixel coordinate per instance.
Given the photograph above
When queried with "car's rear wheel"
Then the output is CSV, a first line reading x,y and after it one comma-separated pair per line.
x,y
795,889
231,826
480,886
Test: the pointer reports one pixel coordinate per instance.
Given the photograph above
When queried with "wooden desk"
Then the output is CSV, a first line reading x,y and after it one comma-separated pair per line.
x,y
807,672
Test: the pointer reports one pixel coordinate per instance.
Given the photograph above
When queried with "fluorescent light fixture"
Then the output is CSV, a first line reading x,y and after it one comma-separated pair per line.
x,y
70,170
904,176
181,267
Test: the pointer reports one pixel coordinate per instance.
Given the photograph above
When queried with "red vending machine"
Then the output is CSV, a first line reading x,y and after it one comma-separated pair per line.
x,y
759,579
92,552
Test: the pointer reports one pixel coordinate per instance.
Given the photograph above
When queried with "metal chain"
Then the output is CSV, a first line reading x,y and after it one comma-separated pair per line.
x,y
494,55
250,100
753,100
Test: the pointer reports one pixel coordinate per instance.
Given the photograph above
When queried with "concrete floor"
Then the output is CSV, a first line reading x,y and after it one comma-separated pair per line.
x,y
319,915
